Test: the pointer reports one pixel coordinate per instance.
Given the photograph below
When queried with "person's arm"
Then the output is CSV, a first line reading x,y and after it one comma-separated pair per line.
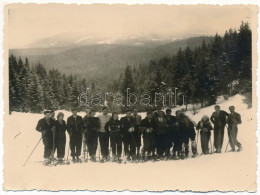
x,y
210,126
107,125
198,126
69,128
65,126
39,126
53,128
212,118
192,132
239,121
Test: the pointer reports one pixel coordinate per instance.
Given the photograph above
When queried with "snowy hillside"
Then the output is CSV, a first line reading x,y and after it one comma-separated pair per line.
x,y
224,172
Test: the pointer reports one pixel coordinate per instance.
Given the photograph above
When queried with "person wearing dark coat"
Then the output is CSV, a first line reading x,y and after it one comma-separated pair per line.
x,y
44,126
137,134
179,125
218,118
113,127
75,128
92,125
187,132
171,120
128,130
148,127
59,129
205,128
234,119
161,134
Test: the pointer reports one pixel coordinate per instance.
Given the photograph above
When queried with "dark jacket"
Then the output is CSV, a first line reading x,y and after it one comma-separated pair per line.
x,y
150,125
126,124
171,121
204,126
75,125
44,127
161,126
179,125
92,124
59,128
219,120
137,119
113,127
234,119
188,131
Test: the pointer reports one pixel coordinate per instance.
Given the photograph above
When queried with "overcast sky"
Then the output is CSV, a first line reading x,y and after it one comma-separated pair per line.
x,y
29,23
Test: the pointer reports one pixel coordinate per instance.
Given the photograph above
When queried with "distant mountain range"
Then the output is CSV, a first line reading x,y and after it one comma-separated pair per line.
x,y
99,61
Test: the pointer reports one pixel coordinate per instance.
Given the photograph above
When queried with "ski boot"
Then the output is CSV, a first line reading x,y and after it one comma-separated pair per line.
x,y
47,162
74,159
93,158
78,160
103,159
239,148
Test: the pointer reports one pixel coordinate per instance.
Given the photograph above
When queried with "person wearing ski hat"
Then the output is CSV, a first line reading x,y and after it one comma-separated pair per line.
x,y
234,119
104,117
44,126
218,118
75,129
59,129
205,128
148,127
128,129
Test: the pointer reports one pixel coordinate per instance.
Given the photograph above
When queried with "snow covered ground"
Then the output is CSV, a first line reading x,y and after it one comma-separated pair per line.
x,y
223,172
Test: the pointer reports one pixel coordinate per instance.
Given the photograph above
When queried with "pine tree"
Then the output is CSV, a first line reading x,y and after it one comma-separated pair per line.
x,y
36,93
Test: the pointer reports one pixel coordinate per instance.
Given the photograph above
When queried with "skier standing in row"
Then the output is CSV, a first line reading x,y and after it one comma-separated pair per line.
x,y
234,119
205,128
161,134
44,126
104,117
128,130
75,128
137,133
218,118
148,128
59,129
113,127
171,120
92,125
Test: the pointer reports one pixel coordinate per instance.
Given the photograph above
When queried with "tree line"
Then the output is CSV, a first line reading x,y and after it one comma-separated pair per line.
x,y
221,67
201,74
32,88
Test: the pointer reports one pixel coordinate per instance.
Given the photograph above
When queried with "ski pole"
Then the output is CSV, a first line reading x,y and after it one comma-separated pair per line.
x,y
32,152
53,147
68,153
84,146
197,140
226,147
99,151
211,148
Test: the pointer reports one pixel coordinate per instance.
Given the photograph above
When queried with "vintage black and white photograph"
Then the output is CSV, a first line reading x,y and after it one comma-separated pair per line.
x,y
130,97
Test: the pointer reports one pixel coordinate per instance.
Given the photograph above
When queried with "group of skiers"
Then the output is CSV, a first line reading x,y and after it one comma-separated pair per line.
x,y
160,132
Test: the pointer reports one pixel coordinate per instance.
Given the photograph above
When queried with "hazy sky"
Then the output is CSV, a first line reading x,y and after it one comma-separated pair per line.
x,y
29,23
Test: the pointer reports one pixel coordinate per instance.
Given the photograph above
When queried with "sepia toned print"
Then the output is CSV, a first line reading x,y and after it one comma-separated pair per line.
x,y
120,97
